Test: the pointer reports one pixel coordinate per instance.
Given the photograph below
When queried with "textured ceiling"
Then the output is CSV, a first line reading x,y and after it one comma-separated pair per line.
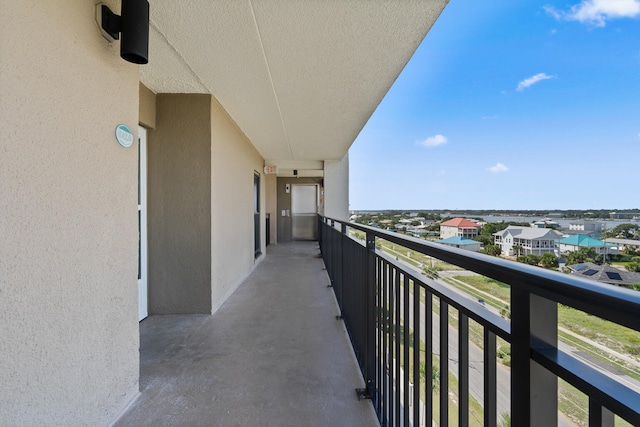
x,y
299,77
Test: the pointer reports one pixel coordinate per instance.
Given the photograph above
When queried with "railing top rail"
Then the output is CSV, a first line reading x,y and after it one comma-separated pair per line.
x,y
609,302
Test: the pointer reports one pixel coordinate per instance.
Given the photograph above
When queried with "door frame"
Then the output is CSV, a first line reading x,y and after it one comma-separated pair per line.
x,y
143,263
257,241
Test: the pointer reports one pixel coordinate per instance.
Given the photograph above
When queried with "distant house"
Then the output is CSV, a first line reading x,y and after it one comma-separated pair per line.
x,y
586,225
459,227
461,242
605,273
622,244
545,223
590,228
534,241
577,241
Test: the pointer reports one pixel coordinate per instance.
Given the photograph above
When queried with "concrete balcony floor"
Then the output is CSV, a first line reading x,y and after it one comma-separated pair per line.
x,y
273,354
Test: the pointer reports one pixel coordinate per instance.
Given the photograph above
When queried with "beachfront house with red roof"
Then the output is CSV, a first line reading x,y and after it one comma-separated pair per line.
x,y
459,227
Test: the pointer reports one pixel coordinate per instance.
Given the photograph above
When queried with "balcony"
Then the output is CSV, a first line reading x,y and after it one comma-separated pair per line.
x,y
274,352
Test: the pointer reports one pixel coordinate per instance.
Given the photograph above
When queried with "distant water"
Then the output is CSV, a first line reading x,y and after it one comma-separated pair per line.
x,y
609,224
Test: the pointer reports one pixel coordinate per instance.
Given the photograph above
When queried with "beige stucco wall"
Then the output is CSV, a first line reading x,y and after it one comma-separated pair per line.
x,y
336,188
68,223
147,107
233,162
179,209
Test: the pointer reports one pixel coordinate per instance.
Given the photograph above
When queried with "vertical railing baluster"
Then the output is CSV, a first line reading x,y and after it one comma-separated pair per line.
x,y
463,369
428,362
490,379
595,413
520,359
600,416
378,333
398,294
385,344
392,340
444,363
406,321
417,290
340,281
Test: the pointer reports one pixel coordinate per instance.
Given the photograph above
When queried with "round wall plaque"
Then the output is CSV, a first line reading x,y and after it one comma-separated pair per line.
x,y
124,136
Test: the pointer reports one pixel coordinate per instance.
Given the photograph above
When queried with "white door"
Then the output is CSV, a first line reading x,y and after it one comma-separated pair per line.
x,y
142,223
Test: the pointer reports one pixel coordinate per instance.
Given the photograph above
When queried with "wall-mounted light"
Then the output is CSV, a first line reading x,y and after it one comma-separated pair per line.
x,y
132,25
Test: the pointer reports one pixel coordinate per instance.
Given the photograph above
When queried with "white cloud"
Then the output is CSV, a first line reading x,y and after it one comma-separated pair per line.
x,y
433,141
499,167
553,12
597,12
489,117
532,80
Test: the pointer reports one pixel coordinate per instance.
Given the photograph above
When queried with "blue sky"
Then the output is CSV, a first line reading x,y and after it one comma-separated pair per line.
x,y
510,105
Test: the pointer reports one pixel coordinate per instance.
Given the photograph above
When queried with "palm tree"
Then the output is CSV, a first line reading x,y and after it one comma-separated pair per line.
x,y
518,249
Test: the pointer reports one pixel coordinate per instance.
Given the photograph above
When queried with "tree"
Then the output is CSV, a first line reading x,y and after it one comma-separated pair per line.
x,y
582,255
518,249
494,250
490,228
631,251
624,231
549,260
431,272
435,375
634,265
485,239
529,259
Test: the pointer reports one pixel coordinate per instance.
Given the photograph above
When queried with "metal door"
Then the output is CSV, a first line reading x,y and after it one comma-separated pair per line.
x,y
304,210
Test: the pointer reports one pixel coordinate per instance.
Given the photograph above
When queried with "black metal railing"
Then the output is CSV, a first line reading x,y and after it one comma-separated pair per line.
x,y
388,309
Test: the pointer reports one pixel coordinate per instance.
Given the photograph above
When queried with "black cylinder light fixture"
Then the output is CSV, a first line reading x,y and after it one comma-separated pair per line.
x,y
132,25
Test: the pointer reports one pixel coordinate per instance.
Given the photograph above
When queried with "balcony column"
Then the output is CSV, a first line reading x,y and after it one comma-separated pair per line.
x,y
534,389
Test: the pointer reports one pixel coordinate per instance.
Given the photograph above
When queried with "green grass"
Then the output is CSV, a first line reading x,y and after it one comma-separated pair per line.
x,y
471,290
574,405
413,257
602,355
614,336
621,263
609,334
497,289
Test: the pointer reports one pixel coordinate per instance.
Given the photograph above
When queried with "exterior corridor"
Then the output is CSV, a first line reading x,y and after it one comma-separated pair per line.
x,y
273,354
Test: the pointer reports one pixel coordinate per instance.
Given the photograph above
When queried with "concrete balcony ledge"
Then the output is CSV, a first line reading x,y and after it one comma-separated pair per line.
x,y
273,354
